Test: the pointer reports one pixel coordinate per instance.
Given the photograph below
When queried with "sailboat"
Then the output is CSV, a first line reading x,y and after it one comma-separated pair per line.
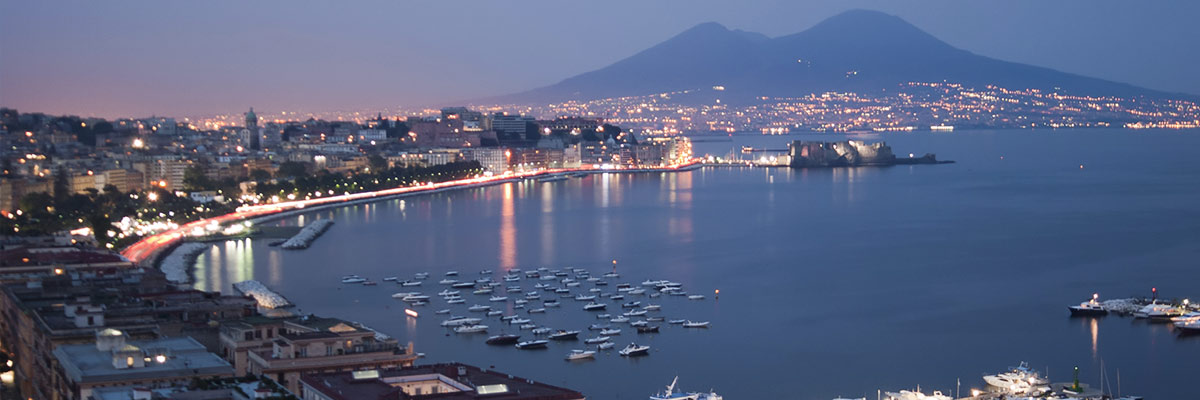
x,y
670,394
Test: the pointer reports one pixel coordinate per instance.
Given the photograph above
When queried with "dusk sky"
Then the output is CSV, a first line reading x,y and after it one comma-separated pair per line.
x,y
137,58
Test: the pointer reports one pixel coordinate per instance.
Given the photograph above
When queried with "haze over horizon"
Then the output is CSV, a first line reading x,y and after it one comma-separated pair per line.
x,y
137,59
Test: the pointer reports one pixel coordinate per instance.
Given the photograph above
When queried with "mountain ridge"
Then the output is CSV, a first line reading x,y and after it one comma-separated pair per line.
x,y
857,50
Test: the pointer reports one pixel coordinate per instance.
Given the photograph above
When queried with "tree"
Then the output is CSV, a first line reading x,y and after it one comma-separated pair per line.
x,y
62,185
260,175
291,169
194,178
377,162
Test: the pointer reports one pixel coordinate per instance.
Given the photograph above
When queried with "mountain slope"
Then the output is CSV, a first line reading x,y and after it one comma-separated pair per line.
x,y
859,50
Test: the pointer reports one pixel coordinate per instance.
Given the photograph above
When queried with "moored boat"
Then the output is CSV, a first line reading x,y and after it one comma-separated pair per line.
x,y
580,355
1090,308
503,339
532,344
633,350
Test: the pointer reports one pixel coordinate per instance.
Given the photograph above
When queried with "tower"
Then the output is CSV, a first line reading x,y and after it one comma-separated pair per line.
x,y
250,135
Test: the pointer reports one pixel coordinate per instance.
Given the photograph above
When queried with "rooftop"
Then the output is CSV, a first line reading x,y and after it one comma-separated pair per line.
x,y
387,384
184,357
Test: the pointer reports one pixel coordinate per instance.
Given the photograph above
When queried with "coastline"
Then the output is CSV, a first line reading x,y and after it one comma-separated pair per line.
x,y
159,255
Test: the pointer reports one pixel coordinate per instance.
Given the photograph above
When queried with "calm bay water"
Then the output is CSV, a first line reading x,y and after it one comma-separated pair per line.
x,y
832,281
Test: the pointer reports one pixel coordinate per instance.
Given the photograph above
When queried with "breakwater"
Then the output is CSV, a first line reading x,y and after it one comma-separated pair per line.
x,y
307,235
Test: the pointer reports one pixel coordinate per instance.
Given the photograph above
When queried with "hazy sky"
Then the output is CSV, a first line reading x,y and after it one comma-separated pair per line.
x,y
137,58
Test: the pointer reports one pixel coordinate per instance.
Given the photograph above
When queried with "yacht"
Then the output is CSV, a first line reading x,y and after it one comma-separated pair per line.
x,y
691,324
1092,307
1019,379
564,335
1157,311
1188,327
634,350
471,329
580,355
594,306
907,395
353,280
503,339
671,394
1191,316
532,344
458,321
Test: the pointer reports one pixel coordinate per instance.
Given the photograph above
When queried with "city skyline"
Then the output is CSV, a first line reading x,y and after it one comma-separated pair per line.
x,y
202,61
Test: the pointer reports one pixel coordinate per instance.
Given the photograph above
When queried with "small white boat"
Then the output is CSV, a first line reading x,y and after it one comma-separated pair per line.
x,y
564,335
447,281
401,295
696,297
494,313
471,329
458,300
528,326
458,321
638,323
652,283
676,321
610,332
537,310
517,321
541,331
633,349
636,292
619,320
422,275
691,324
671,394
451,273
599,327
603,316
353,280
652,307
612,275
497,299
532,344
390,279
479,307
551,303
605,345
908,395
415,298
597,340
448,292
585,298
580,355
443,311
410,283
635,313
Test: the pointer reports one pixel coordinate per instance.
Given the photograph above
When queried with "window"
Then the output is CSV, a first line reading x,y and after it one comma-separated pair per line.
x,y
248,335
257,334
128,361
270,333
91,320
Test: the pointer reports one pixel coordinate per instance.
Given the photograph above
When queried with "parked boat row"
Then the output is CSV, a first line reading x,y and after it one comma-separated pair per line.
x,y
1184,316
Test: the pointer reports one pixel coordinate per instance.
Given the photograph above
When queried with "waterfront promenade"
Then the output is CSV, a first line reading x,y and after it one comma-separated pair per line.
x,y
150,248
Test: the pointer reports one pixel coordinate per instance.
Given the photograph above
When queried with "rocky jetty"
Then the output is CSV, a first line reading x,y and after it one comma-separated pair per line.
x,y
261,294
849,153
306,236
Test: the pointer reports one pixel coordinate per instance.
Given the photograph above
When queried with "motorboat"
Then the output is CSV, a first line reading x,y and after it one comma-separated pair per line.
x,y
541,331
520,301
619,320
458,300
585,297
485,272
448,281
401,295
601,283
463,285
410,283
597,340
580,355
647,329
654,319
1188,327
443,311
1191,316
610,332
482,291
564,335
497,299
390,279
603,316
551,303
676,321
617,297
528,326
652,282
471,329
458,321
671,394
513,289
517,321
639,323
448,292
652,307
415,298
503,339
598,327
370,283
636,292
594,306
612,275
494,313
353,280
421,275
605,345
633,350
691,324
632,304
696,297
1090,308
635,313
537,310
479,307
532,344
